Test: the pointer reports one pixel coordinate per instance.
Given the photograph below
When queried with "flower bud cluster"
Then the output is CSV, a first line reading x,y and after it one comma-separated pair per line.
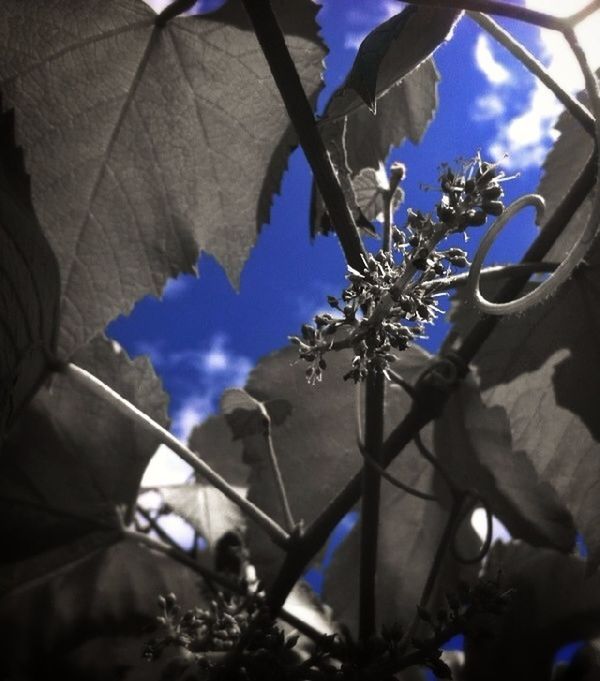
x,y
388,303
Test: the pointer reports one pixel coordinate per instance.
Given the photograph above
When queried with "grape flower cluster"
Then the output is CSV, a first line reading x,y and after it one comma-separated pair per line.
x,y
387,304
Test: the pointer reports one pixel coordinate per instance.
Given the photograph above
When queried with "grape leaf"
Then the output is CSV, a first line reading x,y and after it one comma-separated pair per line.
x,y
541,367
359,140
553,603
55,626
73,463
396,47
30,287
316,435
146,143
474,444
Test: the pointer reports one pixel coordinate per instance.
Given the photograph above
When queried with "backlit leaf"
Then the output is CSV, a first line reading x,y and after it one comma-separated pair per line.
x,y
146,144
474,444
396,47
542,368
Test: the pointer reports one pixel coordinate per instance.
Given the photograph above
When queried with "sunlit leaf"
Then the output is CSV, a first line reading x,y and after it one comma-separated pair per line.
x,y
146,144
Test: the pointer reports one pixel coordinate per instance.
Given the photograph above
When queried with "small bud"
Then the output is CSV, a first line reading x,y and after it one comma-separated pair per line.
x,y
397,171
493,207
492,191
445,212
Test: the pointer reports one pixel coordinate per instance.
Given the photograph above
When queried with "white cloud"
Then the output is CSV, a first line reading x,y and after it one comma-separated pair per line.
x,y
528,133
488,107
487,63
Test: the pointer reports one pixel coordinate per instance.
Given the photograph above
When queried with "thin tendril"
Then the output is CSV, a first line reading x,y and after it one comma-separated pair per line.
x,y
392,479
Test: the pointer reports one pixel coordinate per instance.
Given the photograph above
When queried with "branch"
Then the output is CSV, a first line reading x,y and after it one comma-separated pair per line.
x,y
369,520
277,534
286,77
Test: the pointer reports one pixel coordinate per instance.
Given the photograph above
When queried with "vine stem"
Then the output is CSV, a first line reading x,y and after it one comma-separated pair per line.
x,y
371,492
285,75
276,471
273,529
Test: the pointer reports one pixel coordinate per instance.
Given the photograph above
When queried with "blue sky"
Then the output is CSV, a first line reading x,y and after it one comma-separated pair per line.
x,y
203,336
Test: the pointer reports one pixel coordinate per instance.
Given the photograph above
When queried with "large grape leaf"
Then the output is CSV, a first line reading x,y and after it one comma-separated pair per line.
x,y
73,463
553,603
543,369
393,73
146,143
90,618
29,288
316,444
474,444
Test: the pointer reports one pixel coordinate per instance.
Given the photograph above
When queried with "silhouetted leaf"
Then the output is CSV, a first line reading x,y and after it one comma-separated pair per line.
x,y
473,442
90,618
29,285
553,603
146,144
244,415
396,47
73,463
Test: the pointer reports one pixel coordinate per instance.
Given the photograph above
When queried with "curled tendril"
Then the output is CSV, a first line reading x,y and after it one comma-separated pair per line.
x,y
581,246
392,479
542,291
